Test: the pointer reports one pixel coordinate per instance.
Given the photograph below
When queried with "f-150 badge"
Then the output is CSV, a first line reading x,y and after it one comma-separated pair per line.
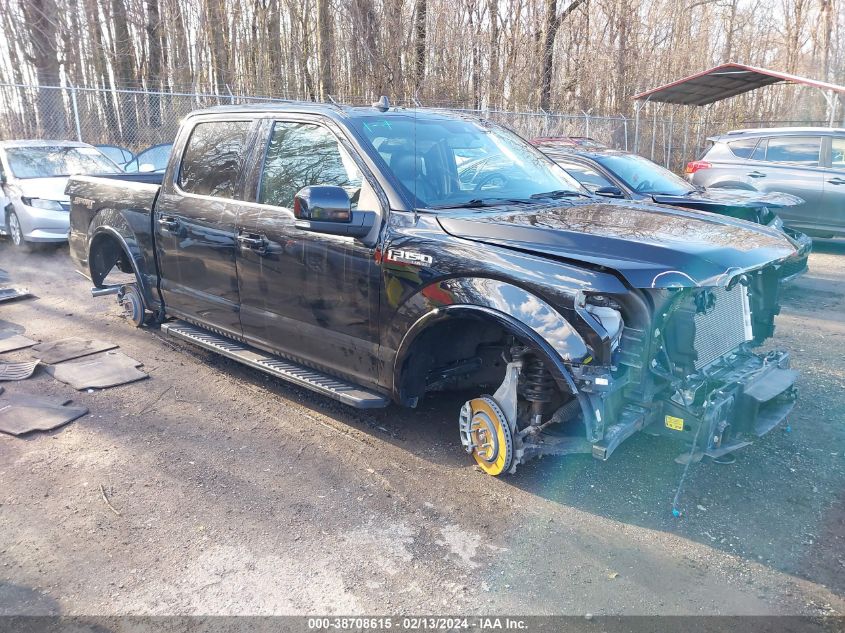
x,y
409,257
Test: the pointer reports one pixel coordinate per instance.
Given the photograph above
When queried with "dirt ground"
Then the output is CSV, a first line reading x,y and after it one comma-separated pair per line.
x,y
238,494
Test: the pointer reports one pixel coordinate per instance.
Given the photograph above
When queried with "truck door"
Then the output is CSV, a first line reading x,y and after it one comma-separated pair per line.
x,y
309,295
195,218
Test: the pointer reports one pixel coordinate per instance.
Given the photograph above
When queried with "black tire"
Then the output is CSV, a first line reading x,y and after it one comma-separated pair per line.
x,y
133,306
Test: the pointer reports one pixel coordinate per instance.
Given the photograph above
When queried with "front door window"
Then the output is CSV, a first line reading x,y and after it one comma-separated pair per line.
x,y
303,154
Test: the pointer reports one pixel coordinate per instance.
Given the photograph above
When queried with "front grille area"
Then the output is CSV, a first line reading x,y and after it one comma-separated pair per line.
x,y
725,327
707,324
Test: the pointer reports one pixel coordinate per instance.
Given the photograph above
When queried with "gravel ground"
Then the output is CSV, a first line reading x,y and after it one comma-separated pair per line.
x,y
238,494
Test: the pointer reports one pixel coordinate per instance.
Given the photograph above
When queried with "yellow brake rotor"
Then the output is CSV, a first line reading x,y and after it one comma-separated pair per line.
x,y
486,434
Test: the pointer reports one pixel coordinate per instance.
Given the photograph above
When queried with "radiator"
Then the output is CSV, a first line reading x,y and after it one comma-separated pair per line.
x,y
724,327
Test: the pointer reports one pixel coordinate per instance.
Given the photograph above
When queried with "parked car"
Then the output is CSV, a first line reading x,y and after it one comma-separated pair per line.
x,y
118,155
335,248
804,161
584,142
618,174
33,176
152,160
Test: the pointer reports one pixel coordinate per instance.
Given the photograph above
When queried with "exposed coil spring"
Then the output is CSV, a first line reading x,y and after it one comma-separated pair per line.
x,y
539,385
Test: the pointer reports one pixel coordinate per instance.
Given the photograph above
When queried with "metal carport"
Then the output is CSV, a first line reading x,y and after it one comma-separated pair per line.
x,y
723,82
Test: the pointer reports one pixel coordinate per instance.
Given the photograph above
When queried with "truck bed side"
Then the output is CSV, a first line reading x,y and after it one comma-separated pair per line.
x,y
111,225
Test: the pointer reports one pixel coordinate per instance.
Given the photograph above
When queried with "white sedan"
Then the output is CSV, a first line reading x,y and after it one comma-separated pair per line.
x,y
33,175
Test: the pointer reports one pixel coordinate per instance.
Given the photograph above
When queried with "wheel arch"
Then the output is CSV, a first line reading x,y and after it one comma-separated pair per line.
x,y
515,310
109,245
732,184
550,356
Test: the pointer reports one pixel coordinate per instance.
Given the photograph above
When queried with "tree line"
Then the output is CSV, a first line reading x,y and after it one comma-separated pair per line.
x,y
569,55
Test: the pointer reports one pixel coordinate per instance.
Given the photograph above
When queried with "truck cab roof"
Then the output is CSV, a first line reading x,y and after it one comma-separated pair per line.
x,y
330,110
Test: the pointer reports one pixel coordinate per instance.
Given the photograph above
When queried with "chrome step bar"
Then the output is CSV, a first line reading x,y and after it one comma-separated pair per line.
x,y
312,379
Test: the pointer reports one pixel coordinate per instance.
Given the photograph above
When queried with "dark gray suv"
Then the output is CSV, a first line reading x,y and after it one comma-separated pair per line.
x,y
804,161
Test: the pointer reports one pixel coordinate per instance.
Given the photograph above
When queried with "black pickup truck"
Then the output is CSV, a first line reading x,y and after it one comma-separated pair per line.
x,y
337,248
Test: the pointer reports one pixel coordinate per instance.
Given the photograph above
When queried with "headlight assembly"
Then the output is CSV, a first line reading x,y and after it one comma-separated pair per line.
x,y
41,203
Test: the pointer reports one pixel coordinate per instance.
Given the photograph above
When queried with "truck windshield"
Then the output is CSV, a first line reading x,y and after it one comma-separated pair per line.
x,y
49,161
448,162
643,176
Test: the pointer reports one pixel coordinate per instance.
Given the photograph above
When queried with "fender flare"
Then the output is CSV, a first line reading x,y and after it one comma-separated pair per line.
x,y
101,228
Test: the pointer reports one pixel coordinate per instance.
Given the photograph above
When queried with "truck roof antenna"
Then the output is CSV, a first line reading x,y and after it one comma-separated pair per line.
x,y
383,104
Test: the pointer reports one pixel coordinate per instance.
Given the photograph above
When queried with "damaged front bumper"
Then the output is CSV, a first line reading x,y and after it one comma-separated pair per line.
x,y
739,398
798,264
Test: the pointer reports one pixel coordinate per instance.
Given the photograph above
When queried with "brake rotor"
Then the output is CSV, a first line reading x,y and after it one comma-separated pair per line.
x,y
486,435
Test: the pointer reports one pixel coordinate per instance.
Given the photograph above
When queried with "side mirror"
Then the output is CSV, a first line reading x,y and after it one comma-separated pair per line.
x,y
609,192
322,202
327,209
147,168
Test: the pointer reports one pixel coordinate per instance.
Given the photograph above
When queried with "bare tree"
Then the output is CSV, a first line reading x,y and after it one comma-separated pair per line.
x,y
551,25
420,17
155,42
40,18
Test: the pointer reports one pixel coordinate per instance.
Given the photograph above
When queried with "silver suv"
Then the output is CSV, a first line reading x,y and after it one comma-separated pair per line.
x,y
805,161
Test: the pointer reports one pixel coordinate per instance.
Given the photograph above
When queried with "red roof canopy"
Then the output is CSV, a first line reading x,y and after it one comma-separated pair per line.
x,y
722,82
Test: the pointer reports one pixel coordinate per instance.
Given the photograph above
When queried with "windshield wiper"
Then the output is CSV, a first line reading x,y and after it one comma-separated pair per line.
x,y
560,193
478,203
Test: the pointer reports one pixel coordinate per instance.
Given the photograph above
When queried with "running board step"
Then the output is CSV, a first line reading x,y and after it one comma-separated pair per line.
x,y
341,390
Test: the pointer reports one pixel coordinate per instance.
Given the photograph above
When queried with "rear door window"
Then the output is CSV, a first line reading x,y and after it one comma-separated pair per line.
x,y
797,150
211,164
837,157
759,152
587,176
304,154
743,148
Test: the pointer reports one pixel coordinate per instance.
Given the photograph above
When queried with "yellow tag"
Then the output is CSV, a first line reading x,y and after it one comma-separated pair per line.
x,y
676,424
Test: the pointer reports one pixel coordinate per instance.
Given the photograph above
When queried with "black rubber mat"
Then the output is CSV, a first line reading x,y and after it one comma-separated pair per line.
x,y
18,371
10,341
69,348
98,372
10,294
24,413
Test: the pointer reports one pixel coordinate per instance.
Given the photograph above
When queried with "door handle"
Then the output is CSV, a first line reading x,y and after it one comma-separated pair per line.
x,y
757,174
168,223
837,181
253,242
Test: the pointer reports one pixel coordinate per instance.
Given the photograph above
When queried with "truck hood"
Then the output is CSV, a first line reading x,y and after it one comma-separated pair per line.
x,y
649,245
46,188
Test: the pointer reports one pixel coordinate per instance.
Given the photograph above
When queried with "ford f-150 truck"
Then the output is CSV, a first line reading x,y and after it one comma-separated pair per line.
x,y
335,247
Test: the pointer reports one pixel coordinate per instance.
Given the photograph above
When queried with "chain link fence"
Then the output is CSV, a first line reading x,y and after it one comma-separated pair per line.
x,y
136,119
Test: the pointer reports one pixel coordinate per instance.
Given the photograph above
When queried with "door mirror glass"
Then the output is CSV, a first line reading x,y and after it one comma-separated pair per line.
x,y
327,203
146,168
609,192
